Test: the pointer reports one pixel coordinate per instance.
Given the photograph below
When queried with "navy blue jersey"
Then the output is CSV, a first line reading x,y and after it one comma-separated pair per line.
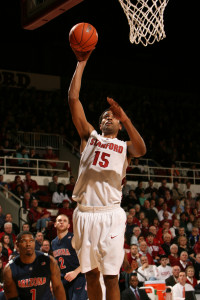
x,y
32,280
65,254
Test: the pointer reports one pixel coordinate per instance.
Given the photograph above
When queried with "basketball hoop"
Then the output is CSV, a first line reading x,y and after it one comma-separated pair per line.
x,y
146,20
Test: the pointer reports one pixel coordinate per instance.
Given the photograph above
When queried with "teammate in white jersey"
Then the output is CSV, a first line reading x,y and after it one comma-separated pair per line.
x,y
99,221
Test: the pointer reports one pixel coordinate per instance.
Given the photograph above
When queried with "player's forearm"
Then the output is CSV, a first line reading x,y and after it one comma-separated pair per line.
x,y
59,292
138,145
75,85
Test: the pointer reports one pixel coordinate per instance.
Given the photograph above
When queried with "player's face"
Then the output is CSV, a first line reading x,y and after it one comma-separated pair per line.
x,y
26,245
109,124
62,223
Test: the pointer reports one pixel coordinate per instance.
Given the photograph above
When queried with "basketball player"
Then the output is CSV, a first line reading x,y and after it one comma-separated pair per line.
x,y
99,221
28,275
73,280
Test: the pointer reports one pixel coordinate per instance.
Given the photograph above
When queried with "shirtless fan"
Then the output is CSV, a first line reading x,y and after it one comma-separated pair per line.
x,y
146,20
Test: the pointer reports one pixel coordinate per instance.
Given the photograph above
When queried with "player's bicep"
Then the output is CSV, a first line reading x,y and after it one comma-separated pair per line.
x,y
10,288
83,127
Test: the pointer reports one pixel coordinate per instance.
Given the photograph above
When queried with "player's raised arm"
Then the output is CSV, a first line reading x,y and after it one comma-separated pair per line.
x,y
57,285
136,145
78,116
10,288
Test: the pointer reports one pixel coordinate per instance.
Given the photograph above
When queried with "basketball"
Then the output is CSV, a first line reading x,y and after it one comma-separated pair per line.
x,y
83,37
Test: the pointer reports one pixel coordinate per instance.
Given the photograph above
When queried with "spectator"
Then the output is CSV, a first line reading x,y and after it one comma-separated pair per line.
x,y
46,247
194,236
150,189
149,212
33,162
50,164
39,238
174,257
60,195
70,186
154,247
174,228
53,185
30,183
130,200
167,243
15,227
145,251
196,264
17,182
129,228
164,209
189,188
173,279
26,227
126,188
133,290
147,271
136,234
164,271
184,262
139,189
183,245
132,212
168,199
38,217
163,188
23,158
19,192
6,251
27,200
177,193
190,272
181,288
8,230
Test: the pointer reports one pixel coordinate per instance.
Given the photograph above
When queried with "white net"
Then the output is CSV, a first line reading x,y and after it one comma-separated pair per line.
x,y
146,20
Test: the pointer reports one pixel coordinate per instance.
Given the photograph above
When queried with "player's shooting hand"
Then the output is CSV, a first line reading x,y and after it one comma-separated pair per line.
x,y
70,276
117,111
82,56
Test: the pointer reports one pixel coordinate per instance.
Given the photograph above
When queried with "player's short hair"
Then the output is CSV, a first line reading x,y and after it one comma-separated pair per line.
x,y
101,116
23,233
64,216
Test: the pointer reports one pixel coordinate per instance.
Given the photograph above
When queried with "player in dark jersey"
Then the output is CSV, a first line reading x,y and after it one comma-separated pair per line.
x,y
73,280
28,275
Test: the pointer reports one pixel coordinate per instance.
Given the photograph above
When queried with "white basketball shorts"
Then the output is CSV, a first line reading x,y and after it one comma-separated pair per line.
x,y
99,238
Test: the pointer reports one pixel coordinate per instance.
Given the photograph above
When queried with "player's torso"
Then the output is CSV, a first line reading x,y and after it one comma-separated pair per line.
x,y
64,253
102,167
32,280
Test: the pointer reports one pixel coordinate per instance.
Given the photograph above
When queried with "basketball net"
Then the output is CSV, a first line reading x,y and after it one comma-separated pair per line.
x,y
146,20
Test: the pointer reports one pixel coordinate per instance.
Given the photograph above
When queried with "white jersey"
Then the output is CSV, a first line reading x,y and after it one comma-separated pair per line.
x,y
102,167
164,272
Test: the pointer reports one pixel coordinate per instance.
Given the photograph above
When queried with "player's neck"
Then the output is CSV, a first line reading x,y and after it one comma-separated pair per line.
x,y
25,259
61,234
110,136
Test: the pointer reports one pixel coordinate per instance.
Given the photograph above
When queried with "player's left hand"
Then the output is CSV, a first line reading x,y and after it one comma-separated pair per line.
x,y
117,111
70,276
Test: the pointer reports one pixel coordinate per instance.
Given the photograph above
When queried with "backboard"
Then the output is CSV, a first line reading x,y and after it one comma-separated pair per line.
x,y
35,13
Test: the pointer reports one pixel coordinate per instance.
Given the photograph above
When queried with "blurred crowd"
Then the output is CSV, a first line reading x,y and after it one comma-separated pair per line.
x,y
167,121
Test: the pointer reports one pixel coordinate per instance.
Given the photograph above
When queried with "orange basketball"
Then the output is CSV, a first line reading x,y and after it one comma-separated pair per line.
x,y
83,37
